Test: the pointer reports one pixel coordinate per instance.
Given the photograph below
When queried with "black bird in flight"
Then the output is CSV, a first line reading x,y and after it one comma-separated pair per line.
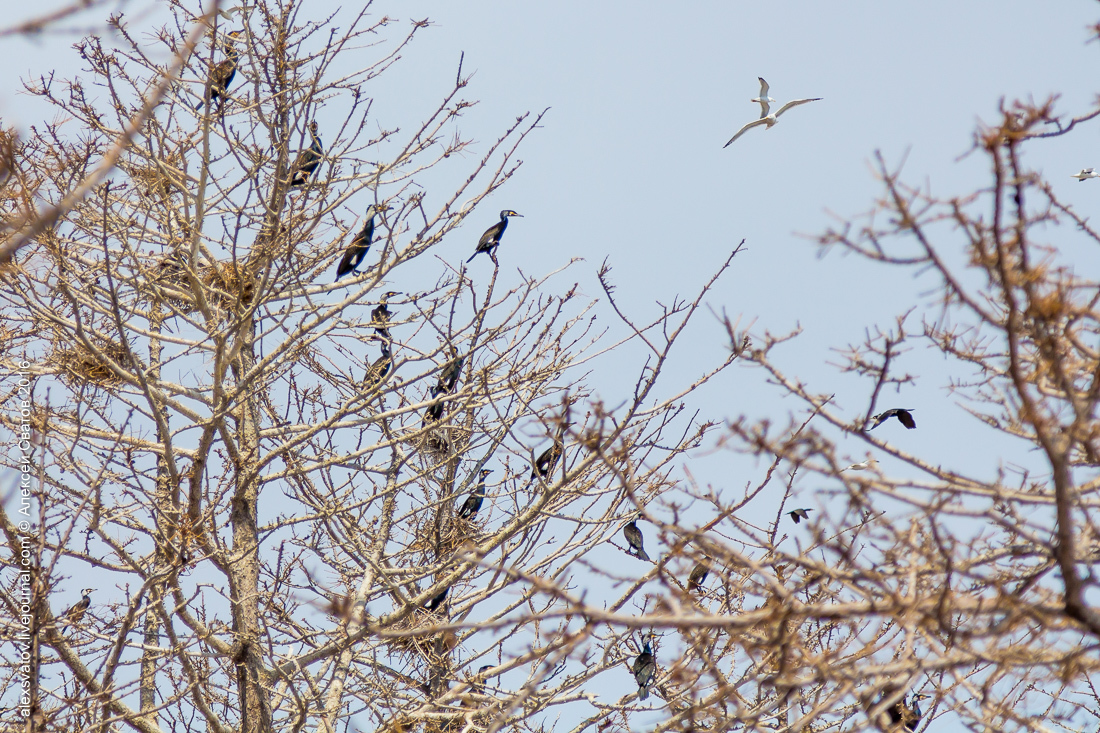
x,y
645,664
907,714
472,505
902,414
357,250
380,316
799,514
634,537
699,574
490,240
308,159
76,611
438,600
221,76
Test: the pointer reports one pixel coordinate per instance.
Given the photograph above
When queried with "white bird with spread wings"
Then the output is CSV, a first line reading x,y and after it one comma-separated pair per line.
x,y
766,116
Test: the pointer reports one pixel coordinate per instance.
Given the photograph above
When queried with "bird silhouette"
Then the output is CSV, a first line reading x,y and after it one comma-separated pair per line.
x,y
549,458
490,240
357,250
76,612
699,574
901,413
634,537
645,664
438,600
381,367
473,502
907,714
1085,174
221,76
799,514
380,316
308,159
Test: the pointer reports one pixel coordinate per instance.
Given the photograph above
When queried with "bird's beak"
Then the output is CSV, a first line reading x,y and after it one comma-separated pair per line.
x,y
519,215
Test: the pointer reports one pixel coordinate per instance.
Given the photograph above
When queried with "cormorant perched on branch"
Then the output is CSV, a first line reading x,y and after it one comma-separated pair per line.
x,y
380,316
905,714
902,414
473,502
634,537
545,463
438,600
308,159
76,611
221,76
381,367
357,250
699,574
448,378
644,666
490,240
479,687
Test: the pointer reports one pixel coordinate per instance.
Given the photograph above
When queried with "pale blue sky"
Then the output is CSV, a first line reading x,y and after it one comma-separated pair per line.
x,y
629,164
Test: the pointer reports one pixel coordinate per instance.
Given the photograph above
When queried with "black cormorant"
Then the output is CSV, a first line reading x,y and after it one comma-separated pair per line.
x,y
77,611
448,377
644,666
490,240
438,600
634,537
381,367
549,458
380,316
479,686
221,76
699,574
473,502
308,159
432,414
901,413
357,250
907,714
799,514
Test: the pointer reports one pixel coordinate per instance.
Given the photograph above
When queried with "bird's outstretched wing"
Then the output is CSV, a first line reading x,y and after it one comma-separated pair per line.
x,y
743,130
795,103
765,108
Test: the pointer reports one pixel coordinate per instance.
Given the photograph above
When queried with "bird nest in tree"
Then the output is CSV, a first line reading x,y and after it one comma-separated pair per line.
x,y
444,441
231,283
452,534
457,722
172,276
417,644
84,365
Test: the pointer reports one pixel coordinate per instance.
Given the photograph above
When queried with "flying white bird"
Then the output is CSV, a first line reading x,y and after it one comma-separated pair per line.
x,y
763,99
861,466
1086,173
768,119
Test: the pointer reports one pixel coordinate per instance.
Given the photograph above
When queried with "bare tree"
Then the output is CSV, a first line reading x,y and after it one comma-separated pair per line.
x,y
313,504
259,469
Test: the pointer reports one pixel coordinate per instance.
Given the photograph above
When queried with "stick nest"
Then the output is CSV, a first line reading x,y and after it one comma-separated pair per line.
x,y
81,364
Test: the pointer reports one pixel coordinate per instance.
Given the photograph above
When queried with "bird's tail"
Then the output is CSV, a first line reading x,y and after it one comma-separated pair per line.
x,y
200,104
475,254
642,555
643,692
